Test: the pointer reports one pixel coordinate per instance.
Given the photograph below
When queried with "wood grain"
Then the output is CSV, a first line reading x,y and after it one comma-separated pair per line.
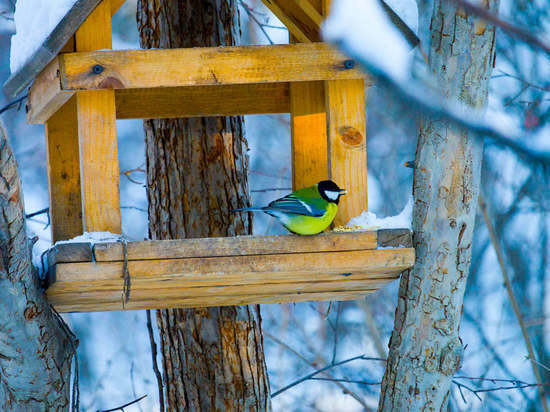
x,y
170,102
226,280
347,145
236,246
308,122
46,96
97,135
63,166
204,66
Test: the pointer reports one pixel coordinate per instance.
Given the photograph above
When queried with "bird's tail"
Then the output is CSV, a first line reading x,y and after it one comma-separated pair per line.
x,y
249,209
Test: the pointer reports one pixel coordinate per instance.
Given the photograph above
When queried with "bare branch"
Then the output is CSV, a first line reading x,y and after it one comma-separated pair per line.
x,y
154,357
513,300
121,407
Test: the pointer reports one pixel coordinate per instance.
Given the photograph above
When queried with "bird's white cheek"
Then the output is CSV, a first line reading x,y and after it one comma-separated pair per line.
x,y
332,195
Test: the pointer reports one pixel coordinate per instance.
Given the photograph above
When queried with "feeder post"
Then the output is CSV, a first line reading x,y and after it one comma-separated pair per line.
x,y
308,124
97,136
347,143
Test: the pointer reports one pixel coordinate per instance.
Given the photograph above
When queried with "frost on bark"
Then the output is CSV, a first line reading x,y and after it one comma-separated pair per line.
x,y
196,174
35,350
425,348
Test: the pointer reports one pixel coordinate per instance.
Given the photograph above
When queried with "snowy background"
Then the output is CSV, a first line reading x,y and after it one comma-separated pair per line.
x,y
114,351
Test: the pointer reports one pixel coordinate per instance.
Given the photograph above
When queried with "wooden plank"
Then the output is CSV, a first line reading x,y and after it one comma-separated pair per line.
x,y
395,238
46,96
235,267
97,135
308,122
236,246
99,161
347,144
204,66
226,280
70,253
90,305
53,44
201,101
63,167
301,18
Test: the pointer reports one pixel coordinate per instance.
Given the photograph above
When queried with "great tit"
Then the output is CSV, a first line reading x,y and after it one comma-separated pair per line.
x,y
306,211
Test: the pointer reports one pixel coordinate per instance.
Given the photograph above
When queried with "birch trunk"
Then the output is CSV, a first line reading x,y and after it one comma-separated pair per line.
x,y
35,350
425,347
196,174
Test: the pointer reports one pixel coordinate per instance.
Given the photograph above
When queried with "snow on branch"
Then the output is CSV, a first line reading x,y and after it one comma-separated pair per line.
x,y
383,52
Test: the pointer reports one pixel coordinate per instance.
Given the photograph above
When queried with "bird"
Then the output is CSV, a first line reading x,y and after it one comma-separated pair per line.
x,y
306,211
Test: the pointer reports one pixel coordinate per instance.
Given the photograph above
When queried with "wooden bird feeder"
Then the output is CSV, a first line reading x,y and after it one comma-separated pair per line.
x,y
80,87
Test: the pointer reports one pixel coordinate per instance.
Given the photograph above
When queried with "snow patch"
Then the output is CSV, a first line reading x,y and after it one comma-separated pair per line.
x,y
369,220
34,22
93,238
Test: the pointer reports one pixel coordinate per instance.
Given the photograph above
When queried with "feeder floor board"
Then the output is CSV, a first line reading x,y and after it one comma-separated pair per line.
x,y
226,271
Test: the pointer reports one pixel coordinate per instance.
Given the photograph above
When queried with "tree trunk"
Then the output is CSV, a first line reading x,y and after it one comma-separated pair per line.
x,y
425,348
196,174
35,348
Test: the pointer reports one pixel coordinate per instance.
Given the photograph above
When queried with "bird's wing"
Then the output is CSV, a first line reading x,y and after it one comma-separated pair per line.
x,y
306,207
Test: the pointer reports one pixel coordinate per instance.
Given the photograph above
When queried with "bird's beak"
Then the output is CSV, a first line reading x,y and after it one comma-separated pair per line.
x,y
343,192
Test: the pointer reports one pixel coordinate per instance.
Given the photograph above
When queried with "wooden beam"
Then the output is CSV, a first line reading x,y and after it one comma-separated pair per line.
x,y
46,96
224,271
97,135
202,66
301,17
347,145
64,173
201,101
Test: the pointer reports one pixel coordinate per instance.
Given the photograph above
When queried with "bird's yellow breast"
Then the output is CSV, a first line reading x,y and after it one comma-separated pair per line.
x,y
308,225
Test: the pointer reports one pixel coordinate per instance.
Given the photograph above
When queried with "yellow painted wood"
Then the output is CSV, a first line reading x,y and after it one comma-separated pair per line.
x,y
169,102
64,173
97,134
346,118
203,66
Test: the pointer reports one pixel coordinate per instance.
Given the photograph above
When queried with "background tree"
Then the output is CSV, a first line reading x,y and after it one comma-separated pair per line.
x,y
36,348
425,348
213,358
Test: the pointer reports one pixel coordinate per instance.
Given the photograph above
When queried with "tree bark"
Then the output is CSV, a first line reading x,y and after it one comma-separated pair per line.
x,y
425,348
196,174
35,349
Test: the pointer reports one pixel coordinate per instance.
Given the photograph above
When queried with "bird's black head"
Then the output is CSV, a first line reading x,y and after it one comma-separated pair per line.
x,y
330,191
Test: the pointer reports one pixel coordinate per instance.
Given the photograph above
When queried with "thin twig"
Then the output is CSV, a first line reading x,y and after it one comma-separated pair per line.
x,y
250,13
344,388
154,357
346,380
332,365
13,103
512,297
121,408
273,189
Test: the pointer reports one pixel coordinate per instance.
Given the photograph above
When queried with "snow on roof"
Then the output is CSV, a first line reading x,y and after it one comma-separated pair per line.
x,y
34,22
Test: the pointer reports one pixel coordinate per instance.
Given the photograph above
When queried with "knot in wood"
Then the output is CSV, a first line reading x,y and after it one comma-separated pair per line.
x,y
351,136
349,64
451,357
